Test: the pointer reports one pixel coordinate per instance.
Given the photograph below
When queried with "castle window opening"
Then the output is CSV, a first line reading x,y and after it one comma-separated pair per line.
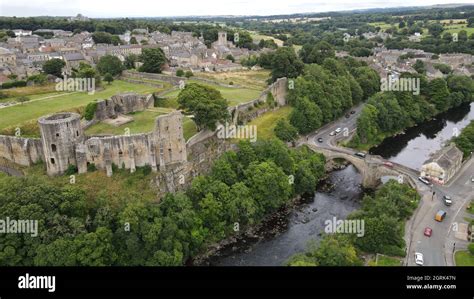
x,y
53,147
57,134
52,161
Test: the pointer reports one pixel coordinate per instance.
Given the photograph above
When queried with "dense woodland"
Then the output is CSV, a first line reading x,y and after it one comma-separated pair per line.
x,y
389,113
242,188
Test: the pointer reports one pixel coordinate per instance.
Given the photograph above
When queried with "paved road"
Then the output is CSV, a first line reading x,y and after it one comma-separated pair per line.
x,y
437,249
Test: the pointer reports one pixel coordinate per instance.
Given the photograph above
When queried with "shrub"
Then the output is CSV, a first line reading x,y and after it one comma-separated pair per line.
x,y
180,73
90,110
71,169
19,83
91,167
188,74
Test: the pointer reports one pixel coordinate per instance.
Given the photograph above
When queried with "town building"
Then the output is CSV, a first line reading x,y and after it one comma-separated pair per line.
x,y
442,166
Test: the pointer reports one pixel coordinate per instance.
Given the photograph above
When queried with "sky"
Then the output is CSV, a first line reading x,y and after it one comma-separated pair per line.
x,y
157,8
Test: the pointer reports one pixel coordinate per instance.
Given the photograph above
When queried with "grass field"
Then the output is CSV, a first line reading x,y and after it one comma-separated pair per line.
x,y
455,28
382,25
19,114
464,258
257,37
248,78
30,91
267,122
233,96
143,122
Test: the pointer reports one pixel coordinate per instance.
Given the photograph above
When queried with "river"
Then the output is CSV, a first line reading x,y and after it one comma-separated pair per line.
x,y
306,222
417,144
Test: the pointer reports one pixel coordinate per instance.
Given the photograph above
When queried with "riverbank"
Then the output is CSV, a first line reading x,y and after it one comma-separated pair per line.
x,y
387,137
288,230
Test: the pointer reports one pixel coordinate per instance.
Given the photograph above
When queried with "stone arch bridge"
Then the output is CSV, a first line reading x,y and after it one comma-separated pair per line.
x,y
371,167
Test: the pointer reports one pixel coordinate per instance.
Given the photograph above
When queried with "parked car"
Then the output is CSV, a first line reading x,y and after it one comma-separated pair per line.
x,y
440,216
353,112
360,154
472,179
425,181
348,115
320,140
419,258
388,164
338,130
428,232
447,200
332,133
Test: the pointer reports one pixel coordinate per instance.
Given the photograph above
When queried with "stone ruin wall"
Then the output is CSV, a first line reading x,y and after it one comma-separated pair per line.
x,y
122,104
21,151
164,148
164,145
242,114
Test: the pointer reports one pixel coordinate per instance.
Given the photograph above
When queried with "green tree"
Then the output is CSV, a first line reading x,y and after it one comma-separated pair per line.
x,y
419,66
206,103
268,184
110,64
153,60
54,67
306,116
439,93
180,73
367,127
285,131
108,78
435,29
285,63
317,53
130,60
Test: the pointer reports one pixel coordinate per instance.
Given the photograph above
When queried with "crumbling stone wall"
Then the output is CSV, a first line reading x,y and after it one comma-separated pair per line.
x,y
22,151
247,111
122,104
124,151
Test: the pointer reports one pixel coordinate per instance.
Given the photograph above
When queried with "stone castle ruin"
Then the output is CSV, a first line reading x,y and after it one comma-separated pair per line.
x,y
63,142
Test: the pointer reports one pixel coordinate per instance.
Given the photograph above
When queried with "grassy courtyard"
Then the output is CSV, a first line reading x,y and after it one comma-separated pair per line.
x,y
143,122
57,102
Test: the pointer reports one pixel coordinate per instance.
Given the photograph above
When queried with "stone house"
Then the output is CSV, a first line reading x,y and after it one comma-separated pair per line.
x,y
442,166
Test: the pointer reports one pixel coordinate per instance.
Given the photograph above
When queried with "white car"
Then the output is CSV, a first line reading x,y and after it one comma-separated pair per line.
x,y
419,258
338,130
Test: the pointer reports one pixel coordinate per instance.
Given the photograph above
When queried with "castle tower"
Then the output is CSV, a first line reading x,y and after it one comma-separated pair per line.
x,y
59,135
222,38
168,136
